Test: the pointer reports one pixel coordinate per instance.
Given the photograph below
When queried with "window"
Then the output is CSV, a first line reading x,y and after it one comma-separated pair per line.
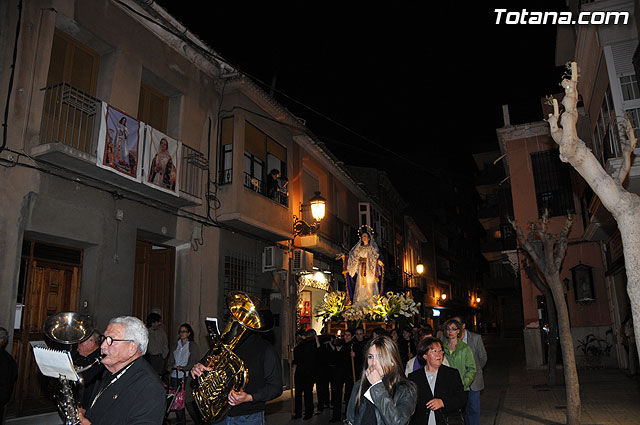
x,y
262,156
629,86
553,183
634,117
240,274
226,151
69,109
73,63
153,107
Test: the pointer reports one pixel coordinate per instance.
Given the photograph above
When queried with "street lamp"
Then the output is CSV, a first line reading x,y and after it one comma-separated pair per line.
x,y
420,268
301,227
478,300
443,296
317,206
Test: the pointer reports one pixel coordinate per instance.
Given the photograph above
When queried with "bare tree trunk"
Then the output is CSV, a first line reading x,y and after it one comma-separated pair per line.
x,y
547,252
572,386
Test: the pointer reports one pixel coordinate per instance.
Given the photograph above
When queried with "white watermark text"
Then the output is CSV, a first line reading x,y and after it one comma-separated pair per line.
x,y
525,17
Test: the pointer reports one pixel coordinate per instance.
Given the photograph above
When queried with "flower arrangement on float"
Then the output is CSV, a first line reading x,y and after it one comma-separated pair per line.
x,y
387,307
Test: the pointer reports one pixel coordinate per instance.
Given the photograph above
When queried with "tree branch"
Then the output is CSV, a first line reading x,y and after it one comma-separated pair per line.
x,y
556,132
563,241
628,145
538,260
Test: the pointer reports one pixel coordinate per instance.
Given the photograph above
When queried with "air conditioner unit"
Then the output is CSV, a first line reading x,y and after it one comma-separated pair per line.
x,y
273,258
302,261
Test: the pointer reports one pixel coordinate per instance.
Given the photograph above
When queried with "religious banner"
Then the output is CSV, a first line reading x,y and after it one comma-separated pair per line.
x,y
161,161
119,143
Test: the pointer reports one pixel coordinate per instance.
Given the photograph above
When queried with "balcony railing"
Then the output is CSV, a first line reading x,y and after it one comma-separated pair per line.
x,y
69,117
193,163
72,117
260,187
334,229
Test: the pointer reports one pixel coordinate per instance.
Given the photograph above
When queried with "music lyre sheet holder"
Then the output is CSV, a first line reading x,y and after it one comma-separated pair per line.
x,y
55,363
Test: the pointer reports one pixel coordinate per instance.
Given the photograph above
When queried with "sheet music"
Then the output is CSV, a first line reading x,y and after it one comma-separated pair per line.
x,y
55,363
212,326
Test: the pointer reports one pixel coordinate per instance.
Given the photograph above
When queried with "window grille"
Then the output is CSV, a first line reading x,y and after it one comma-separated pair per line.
x,y
240,272
553,184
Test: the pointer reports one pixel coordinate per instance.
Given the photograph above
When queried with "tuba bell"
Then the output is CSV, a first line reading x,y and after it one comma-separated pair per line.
x,y
228,372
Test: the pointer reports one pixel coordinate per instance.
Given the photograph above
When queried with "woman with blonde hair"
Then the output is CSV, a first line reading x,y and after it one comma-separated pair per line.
x,y
383,395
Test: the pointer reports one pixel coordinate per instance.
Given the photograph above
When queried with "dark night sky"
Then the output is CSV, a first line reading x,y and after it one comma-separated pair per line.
x,y
423,84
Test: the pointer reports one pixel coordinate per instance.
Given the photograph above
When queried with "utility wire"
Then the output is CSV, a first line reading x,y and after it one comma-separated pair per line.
x,y
13,71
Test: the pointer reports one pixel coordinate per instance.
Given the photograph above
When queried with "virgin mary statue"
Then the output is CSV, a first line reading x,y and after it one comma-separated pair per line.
x,y
363,268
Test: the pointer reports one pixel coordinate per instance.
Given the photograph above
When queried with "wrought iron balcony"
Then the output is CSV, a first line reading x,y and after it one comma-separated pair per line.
x,y
69,138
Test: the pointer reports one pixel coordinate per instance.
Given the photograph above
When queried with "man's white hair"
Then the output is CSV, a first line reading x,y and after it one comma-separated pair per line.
x,y
135,330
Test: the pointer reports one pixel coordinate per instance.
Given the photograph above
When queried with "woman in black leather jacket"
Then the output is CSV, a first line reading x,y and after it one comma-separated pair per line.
x,y
383,395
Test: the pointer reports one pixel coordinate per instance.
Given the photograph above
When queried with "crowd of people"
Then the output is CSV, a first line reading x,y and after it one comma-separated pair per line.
x,y
403,376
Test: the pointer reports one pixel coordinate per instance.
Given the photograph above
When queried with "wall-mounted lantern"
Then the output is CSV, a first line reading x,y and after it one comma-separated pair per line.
x,y
301,227
583,284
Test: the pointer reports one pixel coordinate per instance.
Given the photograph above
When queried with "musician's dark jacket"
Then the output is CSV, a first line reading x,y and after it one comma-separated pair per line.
x,y
265,373
136,398
448,388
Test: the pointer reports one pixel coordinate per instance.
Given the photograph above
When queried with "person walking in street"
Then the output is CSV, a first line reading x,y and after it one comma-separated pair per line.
x,y
458,354
322,371
417,362
181,360
158,348
304,355
383,395
440,391
350,379
340,367
358,345
474,341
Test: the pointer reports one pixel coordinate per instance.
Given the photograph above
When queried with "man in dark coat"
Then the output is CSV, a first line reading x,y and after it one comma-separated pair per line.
x,y
265,380
341,374
8,372
129,391
88,352
304,357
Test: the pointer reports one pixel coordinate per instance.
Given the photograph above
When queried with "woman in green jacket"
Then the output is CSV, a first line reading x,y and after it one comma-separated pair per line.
x,y
458,353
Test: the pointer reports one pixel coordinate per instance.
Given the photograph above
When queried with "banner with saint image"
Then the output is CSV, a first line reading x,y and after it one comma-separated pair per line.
x,y
161,161
119,143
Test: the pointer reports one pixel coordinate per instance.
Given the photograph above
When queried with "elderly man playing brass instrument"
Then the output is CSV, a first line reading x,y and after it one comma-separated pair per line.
x,y
130,391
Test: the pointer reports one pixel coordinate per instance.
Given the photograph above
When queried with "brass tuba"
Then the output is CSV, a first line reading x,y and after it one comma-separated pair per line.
x,y
68,328
228,371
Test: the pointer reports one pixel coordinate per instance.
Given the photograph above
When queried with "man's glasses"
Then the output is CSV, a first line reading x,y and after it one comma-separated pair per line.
x,y
110,340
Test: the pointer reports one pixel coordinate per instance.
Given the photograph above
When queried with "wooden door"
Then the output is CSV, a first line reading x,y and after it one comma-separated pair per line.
x,y
153,283
51,288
